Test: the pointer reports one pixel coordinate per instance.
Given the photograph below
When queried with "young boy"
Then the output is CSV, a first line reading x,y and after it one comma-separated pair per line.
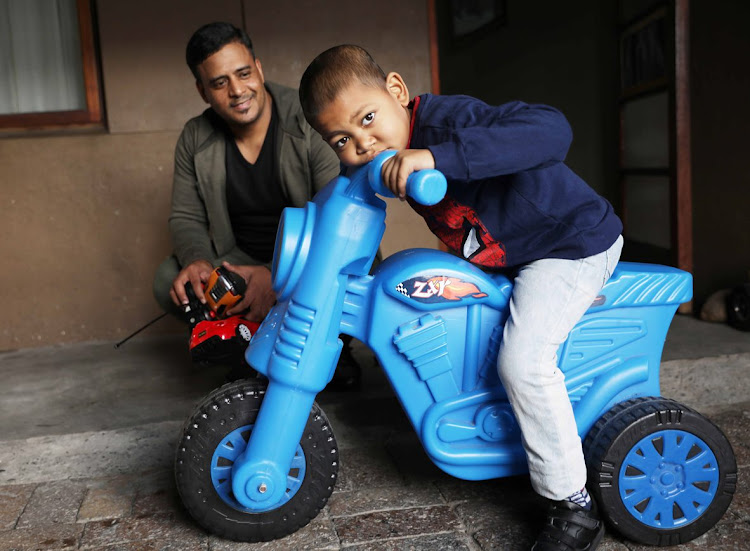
x,y
511,204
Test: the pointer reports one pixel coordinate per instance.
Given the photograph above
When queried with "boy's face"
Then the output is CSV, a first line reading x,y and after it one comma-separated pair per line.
x,y
364,120
232,83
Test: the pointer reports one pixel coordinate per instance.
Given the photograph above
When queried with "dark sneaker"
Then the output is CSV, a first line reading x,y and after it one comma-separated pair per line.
x,y
570,527
348,374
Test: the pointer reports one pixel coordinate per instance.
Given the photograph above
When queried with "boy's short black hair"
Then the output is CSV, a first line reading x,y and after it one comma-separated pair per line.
x,y
211,38
331,72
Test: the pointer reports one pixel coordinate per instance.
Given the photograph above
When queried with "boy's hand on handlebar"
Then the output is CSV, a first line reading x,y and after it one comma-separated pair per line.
x,y
259,296
397,169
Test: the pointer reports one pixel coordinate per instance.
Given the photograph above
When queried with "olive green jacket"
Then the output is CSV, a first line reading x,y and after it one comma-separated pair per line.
x,y
199,221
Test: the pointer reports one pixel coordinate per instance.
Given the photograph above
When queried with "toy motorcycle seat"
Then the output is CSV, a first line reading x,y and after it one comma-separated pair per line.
x,y
637,284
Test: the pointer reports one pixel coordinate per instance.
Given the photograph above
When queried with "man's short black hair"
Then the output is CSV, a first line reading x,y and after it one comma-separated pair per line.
x,y
211,38
331,72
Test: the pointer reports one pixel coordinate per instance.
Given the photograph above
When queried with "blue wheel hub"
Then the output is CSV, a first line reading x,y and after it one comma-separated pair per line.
x,y
227,452
668,479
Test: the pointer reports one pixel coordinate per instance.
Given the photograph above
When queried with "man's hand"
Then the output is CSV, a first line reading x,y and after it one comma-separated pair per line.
x,y
397,169
259,296
197,274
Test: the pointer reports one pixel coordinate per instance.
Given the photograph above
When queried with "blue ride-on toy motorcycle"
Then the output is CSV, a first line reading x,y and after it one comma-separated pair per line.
x,y
257,460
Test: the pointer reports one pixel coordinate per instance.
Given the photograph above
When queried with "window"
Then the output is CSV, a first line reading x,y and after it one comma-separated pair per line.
x,y
49,65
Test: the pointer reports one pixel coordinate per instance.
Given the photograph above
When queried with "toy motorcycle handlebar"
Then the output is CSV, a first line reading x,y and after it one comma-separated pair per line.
x,y
426,187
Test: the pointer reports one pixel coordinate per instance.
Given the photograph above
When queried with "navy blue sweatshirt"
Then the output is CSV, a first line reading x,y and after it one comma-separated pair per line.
x,y
511,199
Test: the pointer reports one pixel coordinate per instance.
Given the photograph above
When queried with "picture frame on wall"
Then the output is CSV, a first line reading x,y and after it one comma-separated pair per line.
x,y
472,19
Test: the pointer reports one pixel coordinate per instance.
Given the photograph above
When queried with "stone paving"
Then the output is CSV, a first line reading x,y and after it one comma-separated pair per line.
x,y
388,496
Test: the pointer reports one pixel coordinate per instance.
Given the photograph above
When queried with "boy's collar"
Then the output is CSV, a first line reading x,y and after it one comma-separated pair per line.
x,y
413,106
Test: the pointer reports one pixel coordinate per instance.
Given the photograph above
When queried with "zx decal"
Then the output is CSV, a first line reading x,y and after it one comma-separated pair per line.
x,y
438,289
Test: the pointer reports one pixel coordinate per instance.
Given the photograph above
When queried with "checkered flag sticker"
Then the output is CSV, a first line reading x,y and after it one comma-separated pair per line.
x,y
401,288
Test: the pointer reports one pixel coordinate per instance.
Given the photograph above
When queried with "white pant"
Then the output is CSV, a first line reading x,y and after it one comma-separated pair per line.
x,y
549,297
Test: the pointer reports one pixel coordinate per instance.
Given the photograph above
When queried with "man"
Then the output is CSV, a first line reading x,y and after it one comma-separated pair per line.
x,y
237,165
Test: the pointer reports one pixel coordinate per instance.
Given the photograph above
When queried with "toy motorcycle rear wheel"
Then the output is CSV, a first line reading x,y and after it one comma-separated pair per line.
x,y
661,473
216,434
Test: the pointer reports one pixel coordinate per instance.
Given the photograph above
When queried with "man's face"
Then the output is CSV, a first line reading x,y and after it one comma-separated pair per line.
x,y
364,120
231,82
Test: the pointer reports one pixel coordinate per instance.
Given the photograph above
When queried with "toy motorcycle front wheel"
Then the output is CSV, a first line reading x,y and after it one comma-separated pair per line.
x,y
216,434
662,473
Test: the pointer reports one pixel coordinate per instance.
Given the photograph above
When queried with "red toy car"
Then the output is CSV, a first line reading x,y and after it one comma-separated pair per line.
x,y
222,341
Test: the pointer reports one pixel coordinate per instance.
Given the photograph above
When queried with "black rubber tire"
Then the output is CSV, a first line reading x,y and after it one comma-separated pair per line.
x,y
226,409
613,437
738,307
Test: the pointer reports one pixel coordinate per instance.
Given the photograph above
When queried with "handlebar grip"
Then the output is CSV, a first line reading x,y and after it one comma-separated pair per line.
x,y
426,187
